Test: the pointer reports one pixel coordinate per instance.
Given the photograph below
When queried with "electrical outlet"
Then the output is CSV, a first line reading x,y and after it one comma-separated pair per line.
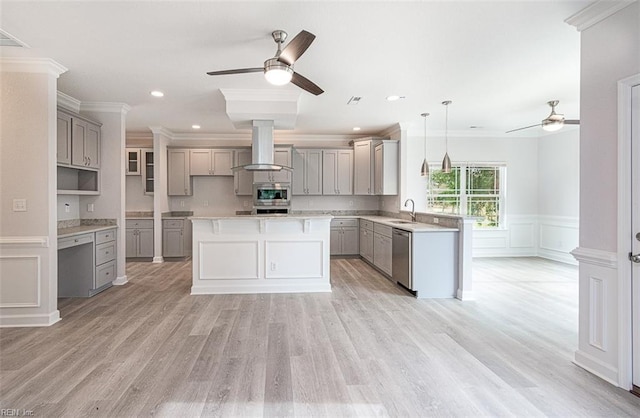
x,y
245,203
182,203
90,207
436,220
351,203
273,266
67,208
205,203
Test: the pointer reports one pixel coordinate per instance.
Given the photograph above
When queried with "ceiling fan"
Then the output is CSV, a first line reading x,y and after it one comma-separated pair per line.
x,y
553,122
279,69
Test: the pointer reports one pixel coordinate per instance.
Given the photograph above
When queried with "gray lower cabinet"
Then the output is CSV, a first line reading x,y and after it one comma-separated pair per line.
x,y
366,240
86,263
176,238
139,238
344,238
382,247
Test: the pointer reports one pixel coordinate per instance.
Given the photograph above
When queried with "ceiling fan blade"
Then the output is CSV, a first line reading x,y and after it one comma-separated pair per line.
x,y
306,84
296,47
238,71
526,127
572,122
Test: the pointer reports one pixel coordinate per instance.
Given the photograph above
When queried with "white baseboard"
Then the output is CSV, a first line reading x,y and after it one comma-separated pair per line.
x,y
260,288
597,367
465,295
158,259
15,321
562,257
119,281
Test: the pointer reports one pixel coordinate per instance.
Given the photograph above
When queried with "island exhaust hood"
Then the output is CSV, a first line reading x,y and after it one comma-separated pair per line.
x,y
262,149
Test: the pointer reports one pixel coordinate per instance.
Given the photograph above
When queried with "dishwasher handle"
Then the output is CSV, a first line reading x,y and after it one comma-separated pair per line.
x,y
401,232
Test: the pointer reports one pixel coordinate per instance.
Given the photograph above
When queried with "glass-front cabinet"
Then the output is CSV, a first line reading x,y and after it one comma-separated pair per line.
x,y
147,175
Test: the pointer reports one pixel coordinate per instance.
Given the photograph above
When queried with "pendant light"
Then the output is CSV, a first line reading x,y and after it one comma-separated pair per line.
x,y
424,170
446,163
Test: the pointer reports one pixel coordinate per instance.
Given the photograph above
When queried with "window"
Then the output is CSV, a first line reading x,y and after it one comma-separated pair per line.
x,y
471,189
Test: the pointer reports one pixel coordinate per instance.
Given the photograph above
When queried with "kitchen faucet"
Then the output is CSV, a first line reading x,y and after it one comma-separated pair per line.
x,y
413,209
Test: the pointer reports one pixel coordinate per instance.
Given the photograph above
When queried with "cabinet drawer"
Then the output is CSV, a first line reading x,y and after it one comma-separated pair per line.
x,y
173,223
382,229
343,222
105,273
105,236
75,240
366,224
139,223
105,252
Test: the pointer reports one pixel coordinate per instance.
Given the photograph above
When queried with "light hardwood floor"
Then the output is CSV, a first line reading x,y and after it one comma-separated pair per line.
x,y
366,349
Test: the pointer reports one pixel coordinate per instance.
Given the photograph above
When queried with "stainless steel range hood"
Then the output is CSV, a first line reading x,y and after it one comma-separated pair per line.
x,y
262,149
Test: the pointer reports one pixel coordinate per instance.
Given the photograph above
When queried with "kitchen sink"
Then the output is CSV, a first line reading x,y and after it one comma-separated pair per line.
x,y
403,222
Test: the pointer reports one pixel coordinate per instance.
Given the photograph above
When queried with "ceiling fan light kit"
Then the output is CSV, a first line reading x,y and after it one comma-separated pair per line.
x,y
553,122
446,162
278,70
424,170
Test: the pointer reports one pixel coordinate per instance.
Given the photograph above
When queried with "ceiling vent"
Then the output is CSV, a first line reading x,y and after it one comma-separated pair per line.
x,y
354,100
9,40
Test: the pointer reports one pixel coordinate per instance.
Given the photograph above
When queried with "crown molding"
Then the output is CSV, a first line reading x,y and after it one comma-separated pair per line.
x,y
107,107
32,65
596,12
161,130
68,102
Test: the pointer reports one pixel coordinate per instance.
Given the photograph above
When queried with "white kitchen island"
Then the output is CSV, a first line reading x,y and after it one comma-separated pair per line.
x,y
261,254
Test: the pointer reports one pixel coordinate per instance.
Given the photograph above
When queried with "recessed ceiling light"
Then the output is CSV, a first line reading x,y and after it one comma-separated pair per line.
x,y
394,98
195,126
356,128
157,93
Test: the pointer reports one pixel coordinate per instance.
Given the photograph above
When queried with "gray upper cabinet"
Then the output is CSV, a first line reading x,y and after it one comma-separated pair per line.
x,y
362,168
64,138
242,179
211,162
178,180
78,142
386,168
307,172
337,172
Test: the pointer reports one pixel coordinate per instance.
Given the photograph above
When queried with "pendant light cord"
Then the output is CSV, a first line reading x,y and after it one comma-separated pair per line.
x,y
446,129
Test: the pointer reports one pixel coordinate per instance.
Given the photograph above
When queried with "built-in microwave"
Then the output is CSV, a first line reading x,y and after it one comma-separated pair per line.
x,y
271,194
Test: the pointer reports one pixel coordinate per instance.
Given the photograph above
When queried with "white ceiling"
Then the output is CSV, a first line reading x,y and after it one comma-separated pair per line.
x,y
499,62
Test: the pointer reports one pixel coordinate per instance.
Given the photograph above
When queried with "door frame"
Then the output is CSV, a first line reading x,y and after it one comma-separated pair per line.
x,y
625,312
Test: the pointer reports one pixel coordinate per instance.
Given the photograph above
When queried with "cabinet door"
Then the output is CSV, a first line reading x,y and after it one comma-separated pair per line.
x,y
63,154
282,156
178,182
362,168
200,162
131,243
382,252
243,180
366,244
298,186
350,235
78,135
172,243
132,162
222,162
378,170
145,242
92,145
344,172
148,171
329,172
335,241
313,171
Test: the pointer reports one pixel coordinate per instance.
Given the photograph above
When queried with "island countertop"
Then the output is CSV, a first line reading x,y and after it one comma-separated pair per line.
x,y
269,217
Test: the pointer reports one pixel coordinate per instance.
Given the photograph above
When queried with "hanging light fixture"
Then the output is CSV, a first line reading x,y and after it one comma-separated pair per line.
x,y
424,170
446,163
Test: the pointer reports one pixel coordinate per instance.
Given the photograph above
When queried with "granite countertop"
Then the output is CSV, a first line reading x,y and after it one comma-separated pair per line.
x,y
407,225
82,229
278,217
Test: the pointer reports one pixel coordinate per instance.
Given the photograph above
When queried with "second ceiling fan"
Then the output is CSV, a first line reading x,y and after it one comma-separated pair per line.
x,y
553,122
279,69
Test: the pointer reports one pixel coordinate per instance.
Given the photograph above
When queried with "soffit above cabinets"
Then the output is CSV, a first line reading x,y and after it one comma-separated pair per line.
x,y
243,106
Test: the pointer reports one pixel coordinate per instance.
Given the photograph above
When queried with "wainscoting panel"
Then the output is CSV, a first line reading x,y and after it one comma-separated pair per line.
x,y
219,261
20,281
558,237
281,259
598,313
518,239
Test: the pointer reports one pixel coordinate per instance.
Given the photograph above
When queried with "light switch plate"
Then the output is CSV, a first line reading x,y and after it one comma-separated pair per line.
x,y
19,205
90,207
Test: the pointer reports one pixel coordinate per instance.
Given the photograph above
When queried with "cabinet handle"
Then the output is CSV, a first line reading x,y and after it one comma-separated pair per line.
x,y
89,160
107,274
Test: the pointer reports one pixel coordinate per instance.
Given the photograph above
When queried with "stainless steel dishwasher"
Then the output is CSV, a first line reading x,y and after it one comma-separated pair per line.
x,y
401,257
